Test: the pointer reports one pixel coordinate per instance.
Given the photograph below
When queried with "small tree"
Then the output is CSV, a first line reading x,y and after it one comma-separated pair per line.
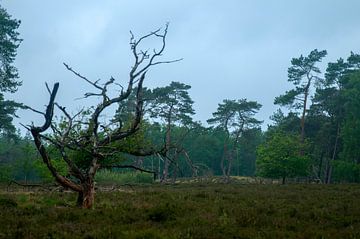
x,y
234,116
83,133
280,157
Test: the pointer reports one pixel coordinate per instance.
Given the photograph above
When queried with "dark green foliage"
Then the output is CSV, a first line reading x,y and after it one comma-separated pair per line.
x,y
17,160
191,211
236,114
205,147
7,112
305,65
173,106
170,110
280,157
172,103
351,126
331,121
234,117
288,123
335,111
248,143
346,171
301,73
9,42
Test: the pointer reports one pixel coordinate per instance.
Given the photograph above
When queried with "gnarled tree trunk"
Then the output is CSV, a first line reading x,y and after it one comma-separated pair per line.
x,y
87,195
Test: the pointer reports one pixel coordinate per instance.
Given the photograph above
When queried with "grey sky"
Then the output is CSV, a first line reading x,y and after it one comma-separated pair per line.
x,y
232,48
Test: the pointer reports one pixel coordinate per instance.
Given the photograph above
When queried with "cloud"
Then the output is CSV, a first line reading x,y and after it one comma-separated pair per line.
x,y
81,31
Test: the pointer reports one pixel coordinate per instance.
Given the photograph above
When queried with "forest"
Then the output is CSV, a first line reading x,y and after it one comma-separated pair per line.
x,y
153,145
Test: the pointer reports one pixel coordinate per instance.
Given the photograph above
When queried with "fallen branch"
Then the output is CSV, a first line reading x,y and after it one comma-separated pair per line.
x,y
131,166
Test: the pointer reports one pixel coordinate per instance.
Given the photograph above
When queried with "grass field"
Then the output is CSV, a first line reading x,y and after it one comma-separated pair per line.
x,y
187,211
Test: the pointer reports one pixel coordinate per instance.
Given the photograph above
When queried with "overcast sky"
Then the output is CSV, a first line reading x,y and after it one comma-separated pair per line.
x,y
232,49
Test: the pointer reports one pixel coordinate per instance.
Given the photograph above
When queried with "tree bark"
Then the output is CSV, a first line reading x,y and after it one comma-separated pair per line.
x,y
302,123
222,163
320,165
174,176
229,166
165,174
329,173
87,195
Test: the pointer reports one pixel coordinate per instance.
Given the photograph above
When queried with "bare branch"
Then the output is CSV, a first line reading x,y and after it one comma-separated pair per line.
x,y
134,73
26,126
167,62
49,111
36,133
89,94
118,134
83,77
34,110
47,87
70,123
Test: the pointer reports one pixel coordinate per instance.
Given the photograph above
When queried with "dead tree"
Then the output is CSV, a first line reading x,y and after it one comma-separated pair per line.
x,y
83,132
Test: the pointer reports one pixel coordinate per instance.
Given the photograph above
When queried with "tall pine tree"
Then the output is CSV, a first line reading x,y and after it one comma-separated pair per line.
x,y
9,42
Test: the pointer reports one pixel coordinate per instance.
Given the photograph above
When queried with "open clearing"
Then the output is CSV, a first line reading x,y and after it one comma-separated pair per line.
x,y
187,211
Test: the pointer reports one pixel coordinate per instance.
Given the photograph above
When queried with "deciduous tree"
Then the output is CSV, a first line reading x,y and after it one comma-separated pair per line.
x,y
279,157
